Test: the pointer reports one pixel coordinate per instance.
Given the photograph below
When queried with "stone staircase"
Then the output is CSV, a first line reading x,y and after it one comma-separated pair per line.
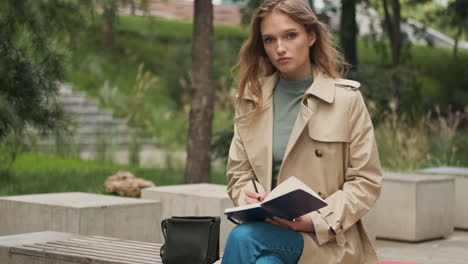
x,y
95,132
90,125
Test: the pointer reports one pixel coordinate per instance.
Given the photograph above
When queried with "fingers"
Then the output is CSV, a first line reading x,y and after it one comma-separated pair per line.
x,y
251,194
257,196
281,222
262,196
249,200
284,222
273,222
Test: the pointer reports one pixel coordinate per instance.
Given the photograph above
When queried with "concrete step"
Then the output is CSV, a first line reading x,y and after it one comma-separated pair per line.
x,y
92,126
77,101
94,118
93,144
82,109
100,130
99,124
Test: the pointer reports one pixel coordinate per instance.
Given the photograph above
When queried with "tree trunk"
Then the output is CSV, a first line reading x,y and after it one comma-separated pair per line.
x,y
349,31
396,47
392,22
198,166
457,38
107,24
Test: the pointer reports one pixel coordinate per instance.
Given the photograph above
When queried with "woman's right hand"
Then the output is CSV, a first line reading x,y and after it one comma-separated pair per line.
x,y
253,197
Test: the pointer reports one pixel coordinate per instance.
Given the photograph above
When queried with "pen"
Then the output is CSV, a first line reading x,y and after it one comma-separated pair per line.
x,y
256,190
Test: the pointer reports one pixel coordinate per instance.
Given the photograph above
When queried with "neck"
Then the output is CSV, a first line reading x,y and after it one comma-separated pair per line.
x,y
298,75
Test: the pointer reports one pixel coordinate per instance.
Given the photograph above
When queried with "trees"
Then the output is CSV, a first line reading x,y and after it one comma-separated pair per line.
x,y
31,65
349,31
248,9
458,18
110,9
201,113
392,25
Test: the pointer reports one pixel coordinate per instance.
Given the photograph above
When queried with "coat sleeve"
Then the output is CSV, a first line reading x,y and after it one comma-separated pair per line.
x,y
362,183
239,171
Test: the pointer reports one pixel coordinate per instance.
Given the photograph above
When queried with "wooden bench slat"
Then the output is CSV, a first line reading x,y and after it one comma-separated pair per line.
x,y
120,243
123,240
108,251
101,244
105,247
93,252
87,250
88,255
34,253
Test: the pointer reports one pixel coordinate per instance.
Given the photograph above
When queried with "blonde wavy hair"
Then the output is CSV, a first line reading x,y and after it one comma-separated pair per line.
x,y
254,63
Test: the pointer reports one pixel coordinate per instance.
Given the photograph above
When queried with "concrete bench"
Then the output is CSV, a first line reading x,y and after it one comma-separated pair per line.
x,y
461,193
414,207
193,200
64,248
82,213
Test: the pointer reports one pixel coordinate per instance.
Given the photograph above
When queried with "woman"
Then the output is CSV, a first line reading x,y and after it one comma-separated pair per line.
x,y
296,117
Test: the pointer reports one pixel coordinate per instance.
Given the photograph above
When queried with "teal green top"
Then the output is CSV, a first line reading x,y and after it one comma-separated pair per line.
x,y
286,104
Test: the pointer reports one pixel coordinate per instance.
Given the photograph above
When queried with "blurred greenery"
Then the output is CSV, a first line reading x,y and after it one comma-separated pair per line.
x,y
39,173
432,15
426,78
163,46
398,98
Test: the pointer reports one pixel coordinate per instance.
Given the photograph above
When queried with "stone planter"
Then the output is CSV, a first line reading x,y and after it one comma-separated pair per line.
x,y
415,207
461,191
81,213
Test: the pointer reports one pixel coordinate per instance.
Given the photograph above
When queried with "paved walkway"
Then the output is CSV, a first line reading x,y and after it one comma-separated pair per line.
x,y
452,250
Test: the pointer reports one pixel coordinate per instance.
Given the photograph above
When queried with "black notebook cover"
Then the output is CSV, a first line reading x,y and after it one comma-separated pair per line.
x,y
288,206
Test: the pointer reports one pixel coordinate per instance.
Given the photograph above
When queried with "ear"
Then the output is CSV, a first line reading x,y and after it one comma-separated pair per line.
x,y
312,38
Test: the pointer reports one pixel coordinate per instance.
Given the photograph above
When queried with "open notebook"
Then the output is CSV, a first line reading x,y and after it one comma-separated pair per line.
x,y
289,200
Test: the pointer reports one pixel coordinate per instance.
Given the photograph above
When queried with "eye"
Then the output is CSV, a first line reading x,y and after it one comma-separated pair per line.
x,y
268,40
292,35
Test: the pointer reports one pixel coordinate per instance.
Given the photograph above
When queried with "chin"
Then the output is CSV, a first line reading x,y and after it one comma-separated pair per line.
x,y
286,70
283,68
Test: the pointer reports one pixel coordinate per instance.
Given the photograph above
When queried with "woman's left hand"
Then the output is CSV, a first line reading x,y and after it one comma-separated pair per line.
x,y
301,224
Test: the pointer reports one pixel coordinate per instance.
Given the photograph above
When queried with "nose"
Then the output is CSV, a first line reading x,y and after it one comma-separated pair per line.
x,y
280,49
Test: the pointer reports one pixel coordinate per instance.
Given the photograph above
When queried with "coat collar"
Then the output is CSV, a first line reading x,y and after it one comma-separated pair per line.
x,y
258,136
322,87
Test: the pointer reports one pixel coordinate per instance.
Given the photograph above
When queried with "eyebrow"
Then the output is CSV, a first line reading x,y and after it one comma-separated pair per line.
x,y
284,31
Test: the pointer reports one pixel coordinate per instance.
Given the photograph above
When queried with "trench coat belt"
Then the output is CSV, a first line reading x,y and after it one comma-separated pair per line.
x,y
337,230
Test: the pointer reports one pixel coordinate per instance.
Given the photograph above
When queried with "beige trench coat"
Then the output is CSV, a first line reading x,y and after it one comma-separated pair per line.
x,y
332,149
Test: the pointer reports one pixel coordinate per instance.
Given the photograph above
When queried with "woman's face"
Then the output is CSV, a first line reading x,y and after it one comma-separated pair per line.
x,y
287,45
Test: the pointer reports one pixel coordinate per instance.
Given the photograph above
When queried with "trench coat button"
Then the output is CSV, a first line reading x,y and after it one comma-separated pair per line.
x,y
318,153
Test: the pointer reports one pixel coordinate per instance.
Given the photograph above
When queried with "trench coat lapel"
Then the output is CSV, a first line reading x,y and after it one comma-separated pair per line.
x,y
258,135
322,88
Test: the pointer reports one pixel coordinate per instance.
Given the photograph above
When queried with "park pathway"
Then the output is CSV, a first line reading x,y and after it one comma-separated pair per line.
x,y
451,250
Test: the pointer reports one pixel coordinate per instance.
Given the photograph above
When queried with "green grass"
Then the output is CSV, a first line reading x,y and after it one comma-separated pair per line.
x,y
35,173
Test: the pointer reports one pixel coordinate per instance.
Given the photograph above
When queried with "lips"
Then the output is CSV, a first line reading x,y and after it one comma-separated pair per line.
x,y
283,60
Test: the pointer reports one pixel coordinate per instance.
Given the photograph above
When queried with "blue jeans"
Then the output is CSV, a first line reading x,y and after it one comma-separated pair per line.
x,y
262,243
